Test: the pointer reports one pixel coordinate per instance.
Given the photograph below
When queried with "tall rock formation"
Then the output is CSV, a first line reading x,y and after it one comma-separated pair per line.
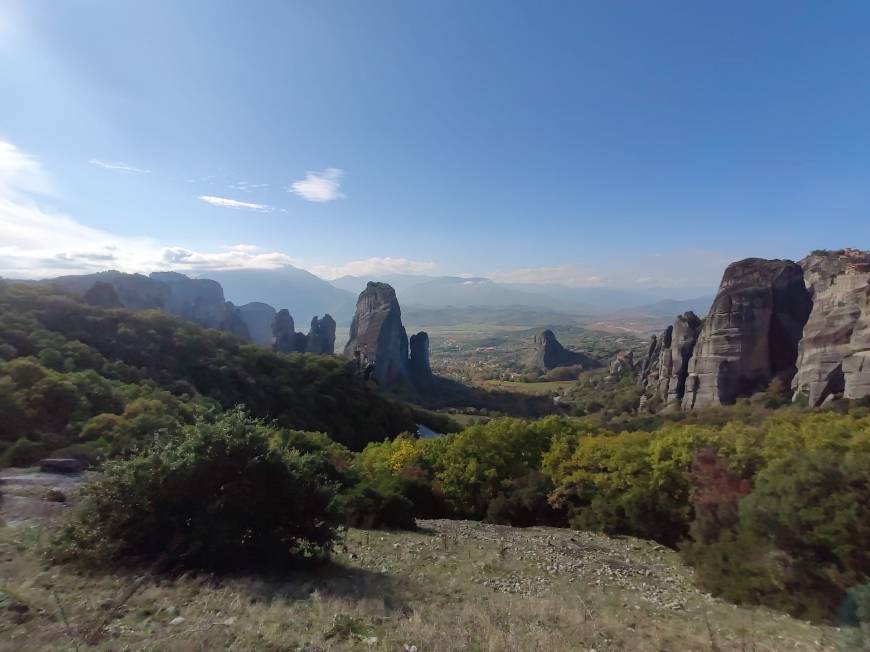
x,y
752,332
421,372
623,363
258,317
377,335
666,367
684,337
283,332
321,337
834,354
548,353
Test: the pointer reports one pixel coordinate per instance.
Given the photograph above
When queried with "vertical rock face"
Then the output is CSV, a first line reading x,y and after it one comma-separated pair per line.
x,y
666,366
419,361
548,353
200,301
623,363
377,334
321,337
649,364
752,332
258,318
834,354
283,332
684,336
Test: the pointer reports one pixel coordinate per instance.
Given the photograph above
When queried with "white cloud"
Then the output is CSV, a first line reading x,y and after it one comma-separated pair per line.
x,y
236,257
20,174
320,186
373,267
246,186
120,166
233,203
37,242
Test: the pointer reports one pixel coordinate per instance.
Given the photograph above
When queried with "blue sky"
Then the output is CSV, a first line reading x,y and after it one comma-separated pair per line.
x,y
619,143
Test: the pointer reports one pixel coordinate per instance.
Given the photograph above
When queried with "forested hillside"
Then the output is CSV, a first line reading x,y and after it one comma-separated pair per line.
x,y
99,380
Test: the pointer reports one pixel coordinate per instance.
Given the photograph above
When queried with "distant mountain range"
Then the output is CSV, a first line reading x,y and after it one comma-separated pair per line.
x,y
426,300
421,291
302,293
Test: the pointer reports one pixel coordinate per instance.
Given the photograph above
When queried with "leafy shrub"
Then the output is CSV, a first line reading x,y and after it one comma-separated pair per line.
x,y
24,453
378,503
523,503
216,496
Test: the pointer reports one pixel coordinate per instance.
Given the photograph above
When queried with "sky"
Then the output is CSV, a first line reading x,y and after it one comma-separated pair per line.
x,y
585,143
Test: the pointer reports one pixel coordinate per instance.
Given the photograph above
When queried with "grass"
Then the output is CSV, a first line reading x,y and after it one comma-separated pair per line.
x,y
451,586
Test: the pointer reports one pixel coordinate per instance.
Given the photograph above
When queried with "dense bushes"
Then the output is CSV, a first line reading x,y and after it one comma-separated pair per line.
x,y
771,507
218,495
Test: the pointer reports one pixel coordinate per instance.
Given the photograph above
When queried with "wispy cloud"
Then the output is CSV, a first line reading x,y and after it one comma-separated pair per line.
x,y
246,186
234,203
120,166
373,267
38,243
20,173
320,186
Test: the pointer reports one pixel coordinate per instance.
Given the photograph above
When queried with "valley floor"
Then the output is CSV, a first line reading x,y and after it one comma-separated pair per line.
x,y
452,585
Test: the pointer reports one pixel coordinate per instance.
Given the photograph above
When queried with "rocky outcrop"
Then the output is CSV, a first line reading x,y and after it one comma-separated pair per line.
x,y
834,354
283,332
684,337
321,337
377,335
751,334
200,301
421,372
548,353
665,369
649,366
623,363
134,291
258,317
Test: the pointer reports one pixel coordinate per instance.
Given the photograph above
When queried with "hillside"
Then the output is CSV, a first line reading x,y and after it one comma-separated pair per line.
x,y
452,585
68,363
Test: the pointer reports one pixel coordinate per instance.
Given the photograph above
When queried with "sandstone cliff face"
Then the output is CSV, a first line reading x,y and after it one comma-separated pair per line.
x,y
200,301
834,354
684,337
666,367
321,337
752,332
283,332
419,360
548,353
623,363
377,334
258,318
